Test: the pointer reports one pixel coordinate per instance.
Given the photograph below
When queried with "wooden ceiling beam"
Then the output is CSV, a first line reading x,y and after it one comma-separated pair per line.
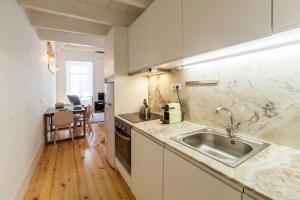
x,y
61,23
79,10
66,37
137,3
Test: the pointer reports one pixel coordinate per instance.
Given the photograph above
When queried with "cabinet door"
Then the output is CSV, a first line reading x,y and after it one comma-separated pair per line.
x,y
249,195
183,180
286,14
164,31
138,44
109,57
116,52
245,197
215,24
120,41
146,168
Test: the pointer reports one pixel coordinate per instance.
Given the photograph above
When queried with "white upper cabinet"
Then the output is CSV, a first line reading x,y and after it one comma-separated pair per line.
x,y
286,14
164,31
215,24
182,180
109,61
137,36
146,168
116,52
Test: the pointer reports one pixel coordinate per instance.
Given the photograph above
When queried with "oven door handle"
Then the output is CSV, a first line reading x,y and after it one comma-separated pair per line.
x,y
123,137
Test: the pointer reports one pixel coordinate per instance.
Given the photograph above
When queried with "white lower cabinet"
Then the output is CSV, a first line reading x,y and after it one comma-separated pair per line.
x,y
159,174
182,180
245,197
250,195
146,168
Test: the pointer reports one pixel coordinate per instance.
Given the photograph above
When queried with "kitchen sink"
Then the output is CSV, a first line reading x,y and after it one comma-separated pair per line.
x,y
219,146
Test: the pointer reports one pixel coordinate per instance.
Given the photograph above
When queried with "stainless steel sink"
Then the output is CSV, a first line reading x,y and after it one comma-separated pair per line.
x,y
219,146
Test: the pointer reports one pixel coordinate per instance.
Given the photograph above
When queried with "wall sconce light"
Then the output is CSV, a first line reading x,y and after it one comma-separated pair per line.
x,y
51,57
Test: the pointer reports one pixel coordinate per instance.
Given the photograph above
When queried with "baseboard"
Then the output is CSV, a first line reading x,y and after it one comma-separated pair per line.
x,y
23,184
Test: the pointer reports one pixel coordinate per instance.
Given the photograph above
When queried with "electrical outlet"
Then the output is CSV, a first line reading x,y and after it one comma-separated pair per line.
x,y
175,85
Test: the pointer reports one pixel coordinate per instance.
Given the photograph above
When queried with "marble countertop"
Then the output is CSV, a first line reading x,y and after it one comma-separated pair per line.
x,y
272,173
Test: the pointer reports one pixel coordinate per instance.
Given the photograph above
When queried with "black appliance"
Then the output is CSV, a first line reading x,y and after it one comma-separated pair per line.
x,y
137,117
101,96
123,143
99,105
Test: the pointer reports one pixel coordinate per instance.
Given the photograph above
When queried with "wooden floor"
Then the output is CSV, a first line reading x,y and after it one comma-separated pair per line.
x,y
76,171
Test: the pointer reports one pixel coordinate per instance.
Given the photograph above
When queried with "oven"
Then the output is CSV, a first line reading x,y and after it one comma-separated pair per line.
x,y
123,143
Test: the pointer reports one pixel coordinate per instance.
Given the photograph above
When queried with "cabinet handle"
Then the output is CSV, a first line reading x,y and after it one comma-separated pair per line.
x,y
123,137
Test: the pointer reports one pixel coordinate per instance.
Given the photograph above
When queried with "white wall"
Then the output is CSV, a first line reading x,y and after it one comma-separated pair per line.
x,y
73,55
24,80
129,93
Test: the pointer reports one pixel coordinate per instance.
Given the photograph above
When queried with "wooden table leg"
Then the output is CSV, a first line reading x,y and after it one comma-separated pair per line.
x,y
75,127
84,123
51,124
46,129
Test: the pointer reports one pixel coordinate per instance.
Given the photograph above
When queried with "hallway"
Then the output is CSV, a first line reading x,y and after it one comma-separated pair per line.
x,y
77,171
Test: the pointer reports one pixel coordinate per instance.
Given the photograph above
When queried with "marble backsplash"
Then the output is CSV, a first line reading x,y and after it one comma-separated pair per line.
x,y
262,89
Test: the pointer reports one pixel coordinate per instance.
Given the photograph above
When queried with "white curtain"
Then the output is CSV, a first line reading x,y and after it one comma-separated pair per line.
x,y
79,79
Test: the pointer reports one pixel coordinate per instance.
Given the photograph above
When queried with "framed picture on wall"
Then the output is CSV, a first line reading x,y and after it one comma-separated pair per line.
x,y
51,56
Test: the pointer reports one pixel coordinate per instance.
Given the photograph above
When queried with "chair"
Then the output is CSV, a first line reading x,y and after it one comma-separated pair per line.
x,y
88,100
88,114
63,119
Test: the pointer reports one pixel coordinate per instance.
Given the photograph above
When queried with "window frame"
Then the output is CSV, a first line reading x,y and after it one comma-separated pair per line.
x,y
89,74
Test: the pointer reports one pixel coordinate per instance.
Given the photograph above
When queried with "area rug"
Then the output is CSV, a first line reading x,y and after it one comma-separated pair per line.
x,y
97,117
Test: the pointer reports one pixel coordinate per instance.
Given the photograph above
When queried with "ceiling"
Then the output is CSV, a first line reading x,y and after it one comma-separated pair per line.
x,y
62,46
81,21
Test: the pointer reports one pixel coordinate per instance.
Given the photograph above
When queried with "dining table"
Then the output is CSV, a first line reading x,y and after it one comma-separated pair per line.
x,y
48,122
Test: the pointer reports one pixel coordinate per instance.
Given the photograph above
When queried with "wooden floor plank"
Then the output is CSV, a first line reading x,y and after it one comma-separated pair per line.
x,y
49,174
70,174
108,174
37,180
76,171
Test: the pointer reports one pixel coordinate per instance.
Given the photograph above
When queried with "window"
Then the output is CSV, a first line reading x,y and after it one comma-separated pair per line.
x,y
80,79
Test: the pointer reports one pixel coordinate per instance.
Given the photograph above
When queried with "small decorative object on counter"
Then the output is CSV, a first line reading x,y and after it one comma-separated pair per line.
x,y
172,113
145,110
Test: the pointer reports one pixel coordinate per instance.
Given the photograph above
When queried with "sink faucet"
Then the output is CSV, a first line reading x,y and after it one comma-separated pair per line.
x,y
231,128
